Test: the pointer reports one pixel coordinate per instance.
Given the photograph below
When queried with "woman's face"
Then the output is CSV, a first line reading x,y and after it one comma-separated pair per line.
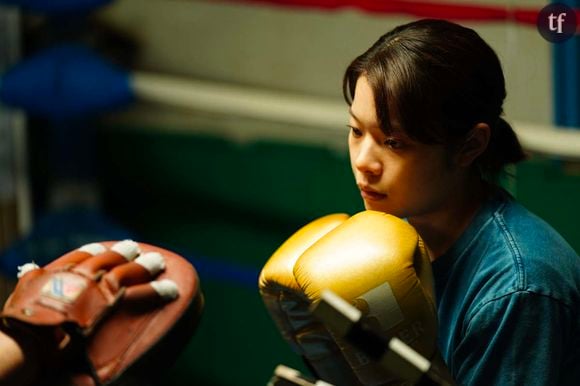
x,y
395,174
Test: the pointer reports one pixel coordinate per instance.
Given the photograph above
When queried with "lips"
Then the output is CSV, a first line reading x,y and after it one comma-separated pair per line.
x,y
369,194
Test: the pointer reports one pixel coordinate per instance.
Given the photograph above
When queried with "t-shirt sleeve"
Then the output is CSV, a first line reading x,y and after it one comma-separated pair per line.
x,y
517,339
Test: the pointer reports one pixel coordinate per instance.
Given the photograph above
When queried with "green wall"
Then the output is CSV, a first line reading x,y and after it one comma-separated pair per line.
x,y
232,205
551,189
228,204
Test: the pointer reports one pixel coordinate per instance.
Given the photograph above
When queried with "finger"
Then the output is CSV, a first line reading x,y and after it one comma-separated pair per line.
x,y
78,255
119,253
141,270
156,291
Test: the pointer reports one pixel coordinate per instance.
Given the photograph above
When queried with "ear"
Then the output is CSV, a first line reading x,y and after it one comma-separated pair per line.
x,y
474,145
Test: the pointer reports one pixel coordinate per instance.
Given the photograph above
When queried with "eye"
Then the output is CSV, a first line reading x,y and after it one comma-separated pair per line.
x,y
393,143
355,132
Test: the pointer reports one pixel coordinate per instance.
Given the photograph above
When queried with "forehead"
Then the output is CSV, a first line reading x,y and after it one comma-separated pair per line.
x,y
363,110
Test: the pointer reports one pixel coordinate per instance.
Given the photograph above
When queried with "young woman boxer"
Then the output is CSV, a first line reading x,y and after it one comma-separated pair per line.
x,y
427,141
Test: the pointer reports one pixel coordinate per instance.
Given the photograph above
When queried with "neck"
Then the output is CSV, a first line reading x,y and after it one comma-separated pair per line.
x,y
442,228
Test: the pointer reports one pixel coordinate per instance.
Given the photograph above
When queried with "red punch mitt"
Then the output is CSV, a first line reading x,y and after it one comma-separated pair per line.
x,y
107,313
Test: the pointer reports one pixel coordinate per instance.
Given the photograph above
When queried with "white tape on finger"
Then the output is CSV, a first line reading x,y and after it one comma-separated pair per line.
x,y
93,248
166,288
127,248
24,269
152,262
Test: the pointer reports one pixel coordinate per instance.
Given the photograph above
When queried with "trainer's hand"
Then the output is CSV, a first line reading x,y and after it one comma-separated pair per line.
x,y
375,261
17,366
95,312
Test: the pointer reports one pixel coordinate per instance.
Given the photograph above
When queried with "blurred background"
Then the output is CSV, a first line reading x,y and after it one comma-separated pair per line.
x,y
217,128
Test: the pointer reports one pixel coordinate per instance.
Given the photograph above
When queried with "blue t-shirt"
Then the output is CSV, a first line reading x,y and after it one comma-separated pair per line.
x,y
508,298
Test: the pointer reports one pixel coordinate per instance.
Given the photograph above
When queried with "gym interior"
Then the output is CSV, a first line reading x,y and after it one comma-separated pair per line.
x,y
228,134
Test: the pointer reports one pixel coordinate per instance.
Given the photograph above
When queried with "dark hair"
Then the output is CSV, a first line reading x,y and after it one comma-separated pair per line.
x,y
439,80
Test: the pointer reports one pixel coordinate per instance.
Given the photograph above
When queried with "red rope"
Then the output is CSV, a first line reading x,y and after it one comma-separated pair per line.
x,y
421,9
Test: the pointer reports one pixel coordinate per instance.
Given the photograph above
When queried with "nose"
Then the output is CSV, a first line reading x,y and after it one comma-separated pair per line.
x,y
367,160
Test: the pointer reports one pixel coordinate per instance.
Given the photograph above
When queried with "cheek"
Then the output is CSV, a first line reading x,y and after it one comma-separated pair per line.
x,y
417,178
438,170
353,152
432,180
396,170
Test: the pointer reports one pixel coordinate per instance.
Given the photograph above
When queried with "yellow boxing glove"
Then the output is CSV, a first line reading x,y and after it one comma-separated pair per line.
x,y
375,261
288,305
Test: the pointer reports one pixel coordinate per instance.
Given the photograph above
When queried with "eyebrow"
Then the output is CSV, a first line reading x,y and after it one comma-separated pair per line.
x,y
394,130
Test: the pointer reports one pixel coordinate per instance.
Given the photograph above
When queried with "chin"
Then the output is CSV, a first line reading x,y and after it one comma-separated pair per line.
x,y
370,205
401,213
